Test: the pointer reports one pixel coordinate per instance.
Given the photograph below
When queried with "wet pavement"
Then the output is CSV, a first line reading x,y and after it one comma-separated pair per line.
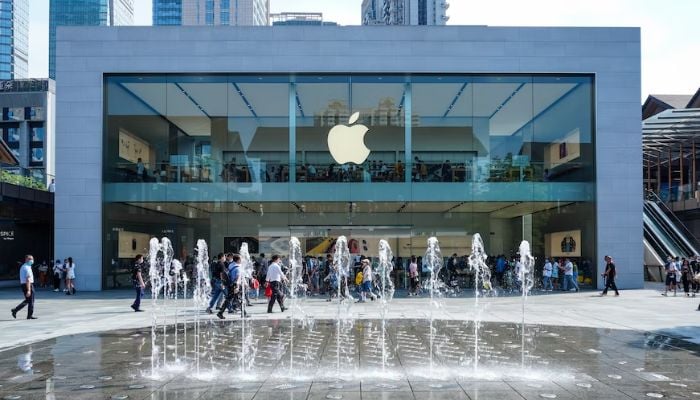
x,y
354,360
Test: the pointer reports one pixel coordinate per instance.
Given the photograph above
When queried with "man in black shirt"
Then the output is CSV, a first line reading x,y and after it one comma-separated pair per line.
x,y
218,280
137,280
609,274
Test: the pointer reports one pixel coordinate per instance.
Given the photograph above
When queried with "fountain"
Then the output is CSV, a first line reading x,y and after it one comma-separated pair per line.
x,y
296,285
482,281
433,259
244,275
525,272
341,268
386,265
200,297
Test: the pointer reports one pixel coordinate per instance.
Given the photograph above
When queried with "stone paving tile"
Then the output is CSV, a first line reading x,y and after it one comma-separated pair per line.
x,y
560,357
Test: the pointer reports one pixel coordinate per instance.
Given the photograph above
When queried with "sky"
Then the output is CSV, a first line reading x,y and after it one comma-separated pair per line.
x,y
670,45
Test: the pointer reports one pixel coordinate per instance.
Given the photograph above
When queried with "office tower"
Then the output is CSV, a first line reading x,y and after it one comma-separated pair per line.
x,y
85,13
211,12
14,42
404,12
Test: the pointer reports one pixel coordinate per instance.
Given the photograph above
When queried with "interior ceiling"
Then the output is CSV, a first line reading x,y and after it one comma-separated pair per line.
x,y
191,105
204,209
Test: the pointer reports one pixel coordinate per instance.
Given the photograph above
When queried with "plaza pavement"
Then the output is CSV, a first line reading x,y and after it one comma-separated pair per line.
x,y
639,310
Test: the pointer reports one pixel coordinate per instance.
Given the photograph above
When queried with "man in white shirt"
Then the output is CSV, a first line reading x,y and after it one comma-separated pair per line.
x,y
366,281
547,275
26,280
569,282
275,278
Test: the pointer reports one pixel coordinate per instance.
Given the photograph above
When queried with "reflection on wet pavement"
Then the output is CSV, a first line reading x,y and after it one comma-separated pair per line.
x,y
562,362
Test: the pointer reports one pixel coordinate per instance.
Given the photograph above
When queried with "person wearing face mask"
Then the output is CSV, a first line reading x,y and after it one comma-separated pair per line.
x,y
26,280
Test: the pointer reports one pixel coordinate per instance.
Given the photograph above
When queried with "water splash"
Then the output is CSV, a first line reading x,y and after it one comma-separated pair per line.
x,y
341,270
244,275
482,282
296,285
386,265
433,260
201,294
525,272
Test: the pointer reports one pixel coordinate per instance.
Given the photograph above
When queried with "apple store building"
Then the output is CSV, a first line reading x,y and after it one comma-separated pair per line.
x,y
254,135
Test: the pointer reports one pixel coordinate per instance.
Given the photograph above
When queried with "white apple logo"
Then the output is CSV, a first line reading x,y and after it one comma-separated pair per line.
x,y
347,143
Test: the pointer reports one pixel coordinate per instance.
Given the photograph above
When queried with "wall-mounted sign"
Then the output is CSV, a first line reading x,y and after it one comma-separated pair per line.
x,y
131,148
7,234
563,244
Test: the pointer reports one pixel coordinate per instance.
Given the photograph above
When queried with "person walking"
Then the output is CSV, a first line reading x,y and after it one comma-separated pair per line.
x,y
218,280
70,276
671,272
555,275
569,282
609,275
137,281
43,274
275,278
413,276
26,280
547,276
233,292
686,277
366,281
57,271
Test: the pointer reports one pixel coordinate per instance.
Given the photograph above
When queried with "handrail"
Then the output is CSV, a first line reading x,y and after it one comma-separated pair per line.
x,y
656,199
667,228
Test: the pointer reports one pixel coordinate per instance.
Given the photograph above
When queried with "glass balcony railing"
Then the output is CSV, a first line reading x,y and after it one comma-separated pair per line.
x,y
256,171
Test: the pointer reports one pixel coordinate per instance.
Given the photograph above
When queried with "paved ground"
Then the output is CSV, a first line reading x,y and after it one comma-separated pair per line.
x,y
357,361
640,310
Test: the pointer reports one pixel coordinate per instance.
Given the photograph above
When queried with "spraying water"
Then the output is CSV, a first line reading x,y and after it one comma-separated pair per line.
x,y
386,265
155,275
433,259
296,285
482,281
201,294
341,268
246,272
527,263
167,280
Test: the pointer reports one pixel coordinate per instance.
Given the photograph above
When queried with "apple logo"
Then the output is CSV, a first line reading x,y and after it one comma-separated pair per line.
x,y
347,143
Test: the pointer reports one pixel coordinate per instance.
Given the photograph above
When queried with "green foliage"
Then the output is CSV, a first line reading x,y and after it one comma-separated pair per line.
x,y
20,180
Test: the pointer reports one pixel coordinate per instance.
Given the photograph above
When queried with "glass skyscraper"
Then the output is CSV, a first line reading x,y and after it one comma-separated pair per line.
x,y
404,12
85,13
211,12
14,43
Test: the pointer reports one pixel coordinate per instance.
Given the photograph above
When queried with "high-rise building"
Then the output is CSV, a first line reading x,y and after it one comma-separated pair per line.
x,y
167,12
14,42
85,13
404,12
299,18
27,125
211,12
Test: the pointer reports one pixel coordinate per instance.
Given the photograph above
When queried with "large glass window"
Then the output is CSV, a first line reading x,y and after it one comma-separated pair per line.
x,y
232,158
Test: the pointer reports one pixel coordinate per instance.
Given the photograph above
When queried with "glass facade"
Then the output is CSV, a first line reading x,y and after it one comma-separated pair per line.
x,y
229,158
167,12
14,39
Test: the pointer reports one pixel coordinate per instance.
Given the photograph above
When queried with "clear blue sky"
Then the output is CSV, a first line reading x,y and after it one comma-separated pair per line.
x,y
670,43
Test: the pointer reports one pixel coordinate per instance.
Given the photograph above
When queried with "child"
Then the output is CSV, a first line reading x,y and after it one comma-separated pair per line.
x,y
256,287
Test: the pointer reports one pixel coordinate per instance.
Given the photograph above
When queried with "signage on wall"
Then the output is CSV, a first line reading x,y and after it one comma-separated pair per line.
x,y
131,148
7,235
347,142
563,244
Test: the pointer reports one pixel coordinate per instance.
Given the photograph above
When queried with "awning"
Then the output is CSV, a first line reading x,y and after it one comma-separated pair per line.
x,y
669,130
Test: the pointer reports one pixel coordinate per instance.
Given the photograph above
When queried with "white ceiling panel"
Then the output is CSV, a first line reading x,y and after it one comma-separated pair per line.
x,y
267,99
434,99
